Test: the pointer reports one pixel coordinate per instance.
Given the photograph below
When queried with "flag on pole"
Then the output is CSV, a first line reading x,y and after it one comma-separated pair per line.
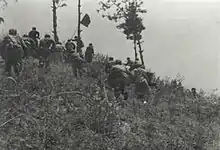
x,y
86,20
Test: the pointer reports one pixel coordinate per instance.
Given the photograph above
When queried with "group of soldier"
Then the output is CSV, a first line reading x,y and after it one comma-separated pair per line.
x,y
132,72
15,48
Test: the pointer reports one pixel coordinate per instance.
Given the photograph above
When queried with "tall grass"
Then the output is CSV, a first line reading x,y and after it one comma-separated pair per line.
x,y
58,111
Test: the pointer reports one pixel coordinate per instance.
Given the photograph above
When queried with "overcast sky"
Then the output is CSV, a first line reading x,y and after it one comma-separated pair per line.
x,y
182,36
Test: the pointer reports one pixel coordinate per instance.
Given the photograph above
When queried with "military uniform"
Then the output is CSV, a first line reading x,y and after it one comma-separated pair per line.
x,y
46,46
118,79
89,53
34,35
13,52
31,47
77,63
70,47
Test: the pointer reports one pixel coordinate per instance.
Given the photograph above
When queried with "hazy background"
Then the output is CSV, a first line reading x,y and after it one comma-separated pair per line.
x,y
182,36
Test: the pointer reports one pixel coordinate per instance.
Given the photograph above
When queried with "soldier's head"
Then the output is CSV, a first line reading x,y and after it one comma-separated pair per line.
x,y
193,90
12,32
128,58
34,28
110,58
118,62
142,66
46,36
90,44
25,35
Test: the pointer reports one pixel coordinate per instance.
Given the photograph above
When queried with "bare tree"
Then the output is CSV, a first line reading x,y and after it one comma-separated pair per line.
x,y
126,13
56,4
3,4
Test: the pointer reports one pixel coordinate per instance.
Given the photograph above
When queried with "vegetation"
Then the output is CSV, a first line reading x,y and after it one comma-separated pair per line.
x,y
3,4
57,111
56,4
126,13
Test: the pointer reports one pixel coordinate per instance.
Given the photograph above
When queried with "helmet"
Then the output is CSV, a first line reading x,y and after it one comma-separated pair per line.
x,y
25,35
46,36
110,58
12,31
118,62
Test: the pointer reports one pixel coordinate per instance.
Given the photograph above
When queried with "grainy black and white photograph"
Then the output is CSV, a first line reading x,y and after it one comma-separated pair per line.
x,y
109,74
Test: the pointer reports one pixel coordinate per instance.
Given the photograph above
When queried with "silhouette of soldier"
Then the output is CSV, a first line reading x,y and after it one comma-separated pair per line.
x,y
89,53
34,34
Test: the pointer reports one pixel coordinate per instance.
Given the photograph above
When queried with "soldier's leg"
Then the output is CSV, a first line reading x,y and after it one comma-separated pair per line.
x,y
74,68
17,69
8,68
47,61
80,70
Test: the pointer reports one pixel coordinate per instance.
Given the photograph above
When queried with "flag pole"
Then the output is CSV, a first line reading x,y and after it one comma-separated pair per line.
x,y
79,21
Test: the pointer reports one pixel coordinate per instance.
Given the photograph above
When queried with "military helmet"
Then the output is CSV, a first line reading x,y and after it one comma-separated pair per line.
x,y
110,58
25,35
118,62
12,31
47,36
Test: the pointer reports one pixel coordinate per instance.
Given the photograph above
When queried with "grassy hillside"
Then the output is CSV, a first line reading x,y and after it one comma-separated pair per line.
x,y
57,111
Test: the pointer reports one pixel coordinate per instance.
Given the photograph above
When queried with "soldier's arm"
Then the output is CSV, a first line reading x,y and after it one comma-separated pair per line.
x,y
41,44
23,44
29,34
38,34
53,44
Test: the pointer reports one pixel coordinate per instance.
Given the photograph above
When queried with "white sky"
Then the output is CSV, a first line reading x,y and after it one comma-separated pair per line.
x,y
181,37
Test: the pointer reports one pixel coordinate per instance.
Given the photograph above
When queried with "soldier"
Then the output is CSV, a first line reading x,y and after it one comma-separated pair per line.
x,y
35,35
57,54
142,84
119,78
109,64
193,91
13,51
135,65
77,63
129,62
89,53
46,46
80,46
31,47
70,48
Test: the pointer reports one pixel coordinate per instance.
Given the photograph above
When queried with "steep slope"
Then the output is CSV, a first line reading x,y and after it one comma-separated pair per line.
x,y
57,111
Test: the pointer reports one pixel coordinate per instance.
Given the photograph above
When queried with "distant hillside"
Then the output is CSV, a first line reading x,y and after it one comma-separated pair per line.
x,y
57,111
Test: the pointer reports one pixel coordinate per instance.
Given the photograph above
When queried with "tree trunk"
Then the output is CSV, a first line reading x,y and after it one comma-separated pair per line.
x,y
135,47
79,29
55,22
141,52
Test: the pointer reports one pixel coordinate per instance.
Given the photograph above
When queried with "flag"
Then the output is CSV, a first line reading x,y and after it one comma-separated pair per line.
x,y
86,20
